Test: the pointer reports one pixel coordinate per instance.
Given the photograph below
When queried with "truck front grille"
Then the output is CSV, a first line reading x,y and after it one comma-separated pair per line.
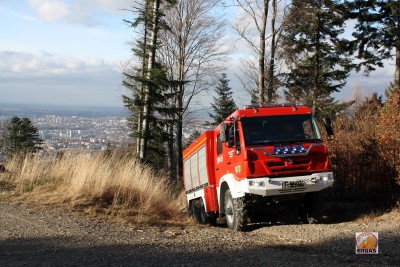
x,y
283,165
292,190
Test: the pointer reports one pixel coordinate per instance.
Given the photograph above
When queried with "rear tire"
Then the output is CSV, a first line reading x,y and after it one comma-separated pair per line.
x,y
235,212
199,211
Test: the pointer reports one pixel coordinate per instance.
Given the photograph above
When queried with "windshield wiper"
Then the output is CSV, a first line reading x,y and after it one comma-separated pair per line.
x,y
260,142
267,142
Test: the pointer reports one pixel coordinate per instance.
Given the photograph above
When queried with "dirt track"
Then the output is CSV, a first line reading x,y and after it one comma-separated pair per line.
x,y
50,238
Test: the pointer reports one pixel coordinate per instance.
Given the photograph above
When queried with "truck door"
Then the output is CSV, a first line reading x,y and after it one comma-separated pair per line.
x,y
219,158
229,154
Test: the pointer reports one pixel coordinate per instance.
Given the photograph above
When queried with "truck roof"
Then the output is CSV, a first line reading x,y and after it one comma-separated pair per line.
x,y
271,110
199,142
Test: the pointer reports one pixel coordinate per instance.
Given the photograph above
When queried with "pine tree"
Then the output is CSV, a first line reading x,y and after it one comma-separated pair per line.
x,y
377,33
370,106
21,137
317,59
224,104
148,85
390,91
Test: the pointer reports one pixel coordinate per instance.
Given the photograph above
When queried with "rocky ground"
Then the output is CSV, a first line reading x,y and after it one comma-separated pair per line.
x,y
49,237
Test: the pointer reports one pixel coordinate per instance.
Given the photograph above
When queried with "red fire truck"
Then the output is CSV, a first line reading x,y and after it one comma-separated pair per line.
x,y
256,157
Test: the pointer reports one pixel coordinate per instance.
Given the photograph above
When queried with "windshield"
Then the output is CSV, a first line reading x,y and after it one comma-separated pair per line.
x,y
280,129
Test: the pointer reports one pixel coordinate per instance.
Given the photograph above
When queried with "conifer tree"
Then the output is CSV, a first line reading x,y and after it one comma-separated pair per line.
x,y
316,56
377,33
20,137
223,104
148,84
390,91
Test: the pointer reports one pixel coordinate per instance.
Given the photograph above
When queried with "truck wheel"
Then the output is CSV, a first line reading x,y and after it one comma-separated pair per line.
x,y
306,209
199,211
235,212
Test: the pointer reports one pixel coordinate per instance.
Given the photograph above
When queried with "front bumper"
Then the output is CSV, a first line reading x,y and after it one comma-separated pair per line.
x,y
287,185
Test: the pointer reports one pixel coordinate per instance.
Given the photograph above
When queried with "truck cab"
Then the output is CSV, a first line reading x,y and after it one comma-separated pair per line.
x,y
260,155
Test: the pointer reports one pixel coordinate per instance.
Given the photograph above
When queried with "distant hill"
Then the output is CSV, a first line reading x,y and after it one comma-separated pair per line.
x,y
9,110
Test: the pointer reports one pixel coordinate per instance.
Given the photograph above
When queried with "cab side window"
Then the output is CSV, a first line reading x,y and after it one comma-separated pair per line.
x,y
231,135
219,144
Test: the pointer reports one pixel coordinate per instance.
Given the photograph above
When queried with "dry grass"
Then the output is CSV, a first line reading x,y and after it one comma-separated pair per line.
x,y
365,153
115,184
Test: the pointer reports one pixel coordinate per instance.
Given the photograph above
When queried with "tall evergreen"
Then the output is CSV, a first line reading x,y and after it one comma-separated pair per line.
x,y
134,76
20,137
316,55
377,33
390,91
148,86
223,104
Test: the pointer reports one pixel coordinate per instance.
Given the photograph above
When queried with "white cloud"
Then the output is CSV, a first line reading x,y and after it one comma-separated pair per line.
x,y
112,6
85,12
50,10
16,64
50,79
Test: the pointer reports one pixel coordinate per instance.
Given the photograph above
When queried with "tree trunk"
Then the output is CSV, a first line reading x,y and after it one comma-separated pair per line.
x,y
397,70
397,74
261,56
179,149
271,67
147,111
316,87
139,139
179,123
170,152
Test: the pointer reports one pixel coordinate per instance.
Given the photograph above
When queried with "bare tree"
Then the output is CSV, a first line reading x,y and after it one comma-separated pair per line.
x,y
192,50
252,25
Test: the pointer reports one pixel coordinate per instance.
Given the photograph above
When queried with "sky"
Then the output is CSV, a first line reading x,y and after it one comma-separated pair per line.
x,y
59,52
72,52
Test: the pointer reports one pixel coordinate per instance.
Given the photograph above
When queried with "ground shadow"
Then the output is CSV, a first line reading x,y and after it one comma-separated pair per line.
x,y
61,251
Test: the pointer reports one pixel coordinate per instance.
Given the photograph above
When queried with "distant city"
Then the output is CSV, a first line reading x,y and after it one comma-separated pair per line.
x,y
91,128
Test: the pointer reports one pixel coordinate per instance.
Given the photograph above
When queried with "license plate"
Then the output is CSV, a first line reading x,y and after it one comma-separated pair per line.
x,y
291,184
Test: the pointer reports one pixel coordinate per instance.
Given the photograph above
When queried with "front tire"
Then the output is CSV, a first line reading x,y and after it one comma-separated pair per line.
x,y
306,210
235,212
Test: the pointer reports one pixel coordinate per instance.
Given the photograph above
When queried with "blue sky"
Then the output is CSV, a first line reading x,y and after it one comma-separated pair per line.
x,y
70,53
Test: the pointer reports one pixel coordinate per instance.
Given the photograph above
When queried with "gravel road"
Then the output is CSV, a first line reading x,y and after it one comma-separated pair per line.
x,y
47,237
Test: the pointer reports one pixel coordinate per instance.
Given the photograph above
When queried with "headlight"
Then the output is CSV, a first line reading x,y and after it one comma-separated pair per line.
x,y
255,183
326,177
292,149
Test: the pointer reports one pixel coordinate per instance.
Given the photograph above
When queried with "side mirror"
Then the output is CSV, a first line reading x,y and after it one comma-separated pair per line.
x,y
223,135
329,126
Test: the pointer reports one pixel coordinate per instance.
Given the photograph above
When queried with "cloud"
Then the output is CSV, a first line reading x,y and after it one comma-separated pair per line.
x,y
14,64
85,12
50,10
50,79
113,6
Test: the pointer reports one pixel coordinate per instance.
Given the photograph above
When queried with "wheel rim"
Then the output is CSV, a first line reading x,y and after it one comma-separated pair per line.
x,y
229,212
